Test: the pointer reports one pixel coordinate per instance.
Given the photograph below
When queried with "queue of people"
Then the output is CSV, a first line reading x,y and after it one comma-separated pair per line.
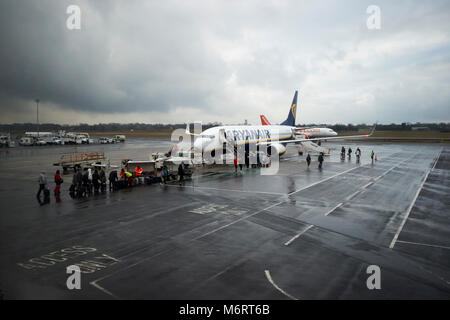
x,y
94,181
320,158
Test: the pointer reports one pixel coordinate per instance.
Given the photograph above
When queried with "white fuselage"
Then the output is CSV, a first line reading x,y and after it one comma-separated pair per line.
x,y
317,132
213,138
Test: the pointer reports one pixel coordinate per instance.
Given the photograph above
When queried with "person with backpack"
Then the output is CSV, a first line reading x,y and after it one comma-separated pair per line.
x,y
320,159
58,182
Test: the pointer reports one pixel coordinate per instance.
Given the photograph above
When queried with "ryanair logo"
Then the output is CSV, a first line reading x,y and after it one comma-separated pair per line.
x,y
293,109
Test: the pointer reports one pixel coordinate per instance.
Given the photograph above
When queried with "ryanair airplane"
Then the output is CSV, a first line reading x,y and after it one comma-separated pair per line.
x,y
273,137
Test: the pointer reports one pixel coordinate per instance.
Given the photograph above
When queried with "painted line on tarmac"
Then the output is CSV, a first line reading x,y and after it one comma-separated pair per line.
x,y
394,240
340,204
231,190
94,283
424,244
326,179
298,235
269,278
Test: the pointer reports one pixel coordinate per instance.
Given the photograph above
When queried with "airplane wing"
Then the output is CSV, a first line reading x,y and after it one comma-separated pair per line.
x,y
187,132
315,139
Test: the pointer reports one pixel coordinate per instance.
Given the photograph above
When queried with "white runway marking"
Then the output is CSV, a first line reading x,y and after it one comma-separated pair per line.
x,y
412,204
94,283
326,179
424,244
268,276
238,220
340,204
230,190
298,235
353,195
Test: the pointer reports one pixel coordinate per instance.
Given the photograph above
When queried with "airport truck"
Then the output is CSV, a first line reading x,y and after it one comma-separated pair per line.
x,y
79,160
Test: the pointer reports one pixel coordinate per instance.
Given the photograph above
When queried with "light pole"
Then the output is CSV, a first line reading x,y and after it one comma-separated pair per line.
x,y
37,115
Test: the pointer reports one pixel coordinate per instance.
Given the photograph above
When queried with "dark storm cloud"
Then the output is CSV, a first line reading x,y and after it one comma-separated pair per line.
x,y
114,63
173,61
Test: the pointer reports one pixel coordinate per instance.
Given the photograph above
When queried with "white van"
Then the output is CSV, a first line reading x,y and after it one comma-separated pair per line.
x,y
26,141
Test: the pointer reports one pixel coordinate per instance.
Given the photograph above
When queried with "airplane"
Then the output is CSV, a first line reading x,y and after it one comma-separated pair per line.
x,y
307,132
273,137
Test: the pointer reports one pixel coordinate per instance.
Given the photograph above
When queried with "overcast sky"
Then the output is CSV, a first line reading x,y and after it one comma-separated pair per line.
x,y
226,61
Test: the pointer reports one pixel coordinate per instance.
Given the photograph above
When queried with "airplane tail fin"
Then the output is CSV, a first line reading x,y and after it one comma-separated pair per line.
x,y
290,121
264,121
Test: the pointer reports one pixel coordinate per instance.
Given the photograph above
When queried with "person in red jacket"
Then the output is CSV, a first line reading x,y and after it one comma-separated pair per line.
x,y
58,182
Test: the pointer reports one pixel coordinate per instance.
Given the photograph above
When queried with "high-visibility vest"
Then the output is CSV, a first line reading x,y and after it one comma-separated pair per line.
x,y
138,172
128,174
122,174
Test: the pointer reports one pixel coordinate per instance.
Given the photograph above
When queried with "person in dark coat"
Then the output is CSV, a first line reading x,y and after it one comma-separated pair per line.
x,y
181,173
320,160
96,180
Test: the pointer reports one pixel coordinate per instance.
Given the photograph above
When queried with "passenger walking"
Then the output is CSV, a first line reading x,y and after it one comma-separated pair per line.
x,y
342,153
58,182
96,181
163,178
42,187
320,159
181,173
73,186
308,159
113,180
349,152
79,185
85,188
102,180
358,155
235,161
90,180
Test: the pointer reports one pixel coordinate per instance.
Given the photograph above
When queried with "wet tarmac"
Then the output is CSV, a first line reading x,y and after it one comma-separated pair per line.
x,y
300,234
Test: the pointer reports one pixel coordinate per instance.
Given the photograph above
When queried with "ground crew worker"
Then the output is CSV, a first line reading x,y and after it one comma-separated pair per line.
x,y
129,177
42,186
181,173
58,182
320,160
372,154
308,159
138,171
